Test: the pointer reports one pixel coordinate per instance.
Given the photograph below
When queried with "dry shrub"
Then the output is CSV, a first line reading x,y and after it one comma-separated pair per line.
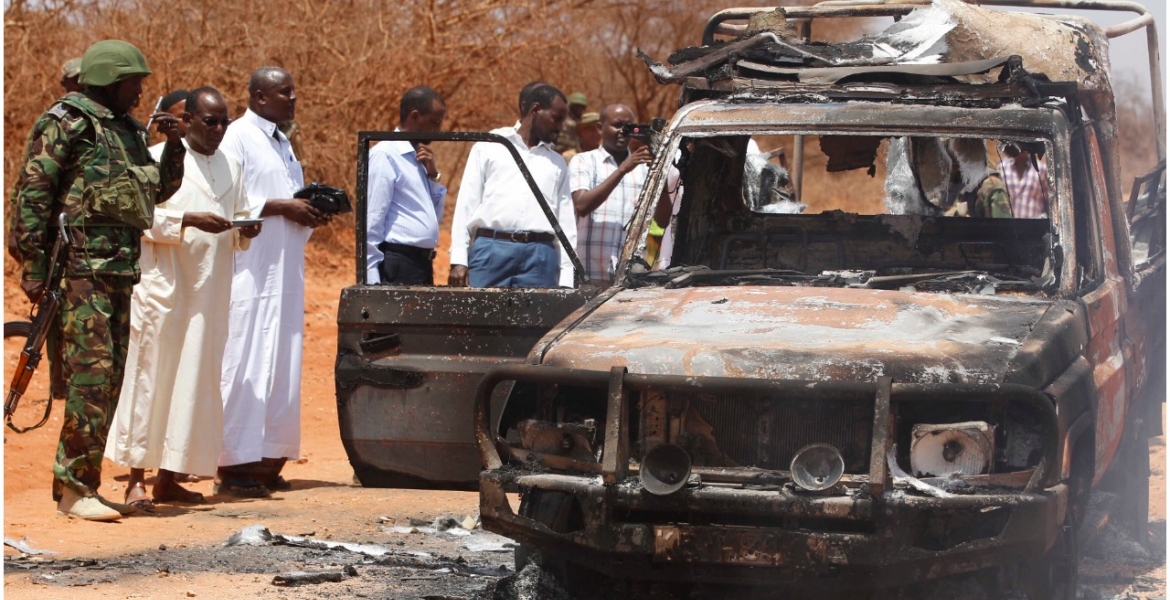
x,y
353,59
1135,127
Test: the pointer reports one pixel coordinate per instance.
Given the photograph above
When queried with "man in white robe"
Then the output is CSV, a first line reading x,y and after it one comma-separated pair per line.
x,y
262,366
170,411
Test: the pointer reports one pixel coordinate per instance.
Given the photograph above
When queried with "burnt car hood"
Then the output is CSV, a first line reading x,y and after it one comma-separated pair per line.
x,y
802,333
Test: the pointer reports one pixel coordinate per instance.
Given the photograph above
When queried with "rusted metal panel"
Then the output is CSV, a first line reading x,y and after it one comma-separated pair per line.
x,y
897,545
399,400
617,426
826,334
1056,340
1029,399
883,431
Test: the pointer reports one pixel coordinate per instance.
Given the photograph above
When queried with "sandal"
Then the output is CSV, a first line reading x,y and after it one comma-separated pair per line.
x,y
240,488
279,484
141,500
176,493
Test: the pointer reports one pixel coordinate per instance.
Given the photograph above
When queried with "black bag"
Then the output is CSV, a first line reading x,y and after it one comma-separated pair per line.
x,y
325,198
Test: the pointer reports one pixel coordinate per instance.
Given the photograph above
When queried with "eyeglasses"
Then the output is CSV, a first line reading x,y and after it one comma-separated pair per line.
x,y
212,121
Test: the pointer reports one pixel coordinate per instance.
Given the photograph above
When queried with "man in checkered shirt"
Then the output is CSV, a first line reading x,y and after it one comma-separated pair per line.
x,y
605,184
1027,182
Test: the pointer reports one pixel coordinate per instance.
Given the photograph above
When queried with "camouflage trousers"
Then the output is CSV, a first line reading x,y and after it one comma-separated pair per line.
x,y
94,333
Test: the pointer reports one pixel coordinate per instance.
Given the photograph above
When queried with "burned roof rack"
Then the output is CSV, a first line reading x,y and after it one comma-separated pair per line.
x,y
913,82
732,22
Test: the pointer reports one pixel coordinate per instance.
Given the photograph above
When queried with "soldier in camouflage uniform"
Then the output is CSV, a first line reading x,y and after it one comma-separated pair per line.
x,y
87,158
975,190
569,139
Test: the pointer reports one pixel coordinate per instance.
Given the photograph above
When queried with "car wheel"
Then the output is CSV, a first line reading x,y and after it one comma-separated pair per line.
x,y
560,512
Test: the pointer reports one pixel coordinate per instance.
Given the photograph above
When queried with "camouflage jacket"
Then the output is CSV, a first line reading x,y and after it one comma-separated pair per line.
x,y
991,199
568,139
62,159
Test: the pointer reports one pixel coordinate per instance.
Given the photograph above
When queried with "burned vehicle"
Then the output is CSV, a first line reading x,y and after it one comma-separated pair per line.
x,y
870,372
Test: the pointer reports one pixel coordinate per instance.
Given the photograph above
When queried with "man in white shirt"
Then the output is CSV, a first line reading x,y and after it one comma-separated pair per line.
x,y
262,364
405,199
500,237
606,183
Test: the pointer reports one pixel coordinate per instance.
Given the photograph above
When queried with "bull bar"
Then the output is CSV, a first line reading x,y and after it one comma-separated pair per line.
x,y
865,544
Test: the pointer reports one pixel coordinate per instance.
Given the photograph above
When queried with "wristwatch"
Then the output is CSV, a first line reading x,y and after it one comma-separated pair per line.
x,y
436,178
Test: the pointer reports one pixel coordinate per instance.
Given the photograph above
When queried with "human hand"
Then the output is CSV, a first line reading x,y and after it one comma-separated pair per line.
x,y
297,211
209,222
32,289
426,158
458,276
641,156
168,125
250,231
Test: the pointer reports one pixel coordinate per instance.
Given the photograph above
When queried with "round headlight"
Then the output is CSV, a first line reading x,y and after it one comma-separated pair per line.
x,y
951,449
817,467
665,469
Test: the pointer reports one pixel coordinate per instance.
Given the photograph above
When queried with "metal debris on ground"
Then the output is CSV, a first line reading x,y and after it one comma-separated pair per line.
x,y
476,540
447,524
23,547
258,535
294,578
489,542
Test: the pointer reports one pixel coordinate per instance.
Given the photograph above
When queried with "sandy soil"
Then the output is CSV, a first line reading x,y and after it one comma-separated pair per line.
x,y
324,504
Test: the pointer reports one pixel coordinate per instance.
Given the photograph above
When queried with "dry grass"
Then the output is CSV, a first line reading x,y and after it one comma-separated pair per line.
x,y
352,60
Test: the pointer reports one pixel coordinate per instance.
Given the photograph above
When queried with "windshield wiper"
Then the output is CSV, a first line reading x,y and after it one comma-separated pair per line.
x,y
705,275
980,282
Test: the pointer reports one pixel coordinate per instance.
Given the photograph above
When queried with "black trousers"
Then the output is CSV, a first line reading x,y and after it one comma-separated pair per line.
x,y
406,268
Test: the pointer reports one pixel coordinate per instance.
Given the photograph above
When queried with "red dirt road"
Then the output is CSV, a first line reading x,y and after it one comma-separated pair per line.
x,y
324,500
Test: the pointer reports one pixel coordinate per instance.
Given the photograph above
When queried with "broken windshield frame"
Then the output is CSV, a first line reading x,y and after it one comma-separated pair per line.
x,y
580,277
1044,126
973,281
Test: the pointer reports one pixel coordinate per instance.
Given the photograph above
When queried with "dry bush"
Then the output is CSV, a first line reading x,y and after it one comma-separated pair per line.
x,y
352,60
1135,127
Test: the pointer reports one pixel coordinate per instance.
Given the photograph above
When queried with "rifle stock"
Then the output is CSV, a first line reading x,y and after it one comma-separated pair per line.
x,y
30,357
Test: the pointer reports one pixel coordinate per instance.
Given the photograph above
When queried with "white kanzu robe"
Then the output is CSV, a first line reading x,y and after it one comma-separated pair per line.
x,y
262,365
170,413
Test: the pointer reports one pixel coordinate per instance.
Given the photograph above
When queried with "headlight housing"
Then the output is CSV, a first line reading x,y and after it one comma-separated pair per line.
x,y
941,450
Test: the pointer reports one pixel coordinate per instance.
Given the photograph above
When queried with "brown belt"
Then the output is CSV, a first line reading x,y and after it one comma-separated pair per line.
x,y
515,236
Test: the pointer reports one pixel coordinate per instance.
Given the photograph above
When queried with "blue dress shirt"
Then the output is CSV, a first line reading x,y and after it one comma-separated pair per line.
x,y
403,206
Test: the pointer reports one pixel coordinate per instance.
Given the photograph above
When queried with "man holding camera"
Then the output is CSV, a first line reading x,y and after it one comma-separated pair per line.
x,y
605,184
261,382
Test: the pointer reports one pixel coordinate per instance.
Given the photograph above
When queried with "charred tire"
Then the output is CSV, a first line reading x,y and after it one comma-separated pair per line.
x,y
17,329
554,510
560,512
1054,577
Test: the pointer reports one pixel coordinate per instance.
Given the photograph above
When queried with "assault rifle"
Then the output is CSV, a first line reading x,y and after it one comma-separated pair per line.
x,y
45,311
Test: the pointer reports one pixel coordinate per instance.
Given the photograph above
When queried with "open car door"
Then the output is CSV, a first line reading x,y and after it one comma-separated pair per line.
x,y
409,358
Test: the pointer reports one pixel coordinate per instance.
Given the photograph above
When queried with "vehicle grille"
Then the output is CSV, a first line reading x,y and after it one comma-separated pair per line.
x,y
767,432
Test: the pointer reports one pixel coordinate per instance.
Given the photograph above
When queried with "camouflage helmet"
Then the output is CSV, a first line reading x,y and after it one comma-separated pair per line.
x,y
111,61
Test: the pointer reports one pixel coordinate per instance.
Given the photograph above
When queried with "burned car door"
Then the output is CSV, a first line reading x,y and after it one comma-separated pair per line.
x,y
409,358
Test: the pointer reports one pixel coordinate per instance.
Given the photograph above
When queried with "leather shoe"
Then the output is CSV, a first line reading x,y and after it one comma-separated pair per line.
x,y
89,508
